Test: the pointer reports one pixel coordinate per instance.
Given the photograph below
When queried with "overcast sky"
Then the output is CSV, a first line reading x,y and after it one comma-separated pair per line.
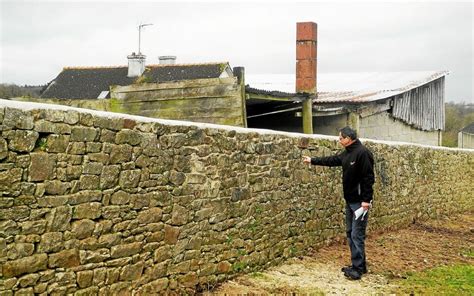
x,y
39,38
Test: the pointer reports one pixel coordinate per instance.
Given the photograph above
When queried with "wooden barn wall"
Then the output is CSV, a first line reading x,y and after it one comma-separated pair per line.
x,y
215,100
422,107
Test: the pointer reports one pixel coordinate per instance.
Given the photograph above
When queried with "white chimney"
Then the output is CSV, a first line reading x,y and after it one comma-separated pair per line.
x,y
167,60
136,64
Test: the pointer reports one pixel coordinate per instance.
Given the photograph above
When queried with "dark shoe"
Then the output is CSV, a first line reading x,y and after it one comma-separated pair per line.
x,y
346,268
352,274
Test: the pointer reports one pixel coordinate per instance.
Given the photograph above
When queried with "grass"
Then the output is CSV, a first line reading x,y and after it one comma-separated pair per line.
x,y
239,266
41,144
468,253
258,275
446,280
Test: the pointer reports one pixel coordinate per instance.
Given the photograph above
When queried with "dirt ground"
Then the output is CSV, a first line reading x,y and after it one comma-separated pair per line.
x,y
391,256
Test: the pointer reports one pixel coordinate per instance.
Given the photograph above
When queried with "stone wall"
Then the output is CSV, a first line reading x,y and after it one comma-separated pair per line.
x,y
382,126
103,203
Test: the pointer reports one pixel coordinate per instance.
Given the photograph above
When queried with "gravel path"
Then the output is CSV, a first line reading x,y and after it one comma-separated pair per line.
x,y
304,276
391,255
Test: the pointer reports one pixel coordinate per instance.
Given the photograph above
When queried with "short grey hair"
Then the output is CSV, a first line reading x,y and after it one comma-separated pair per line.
x,y
348,132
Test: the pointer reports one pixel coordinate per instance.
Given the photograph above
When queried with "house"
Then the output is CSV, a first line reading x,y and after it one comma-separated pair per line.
x,y
466,136
207,92
400,106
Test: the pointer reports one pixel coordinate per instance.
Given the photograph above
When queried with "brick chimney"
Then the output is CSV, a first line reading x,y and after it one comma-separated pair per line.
x,y
306,42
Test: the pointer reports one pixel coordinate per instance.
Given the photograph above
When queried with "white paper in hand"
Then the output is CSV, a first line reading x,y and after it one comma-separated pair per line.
x,y
360,212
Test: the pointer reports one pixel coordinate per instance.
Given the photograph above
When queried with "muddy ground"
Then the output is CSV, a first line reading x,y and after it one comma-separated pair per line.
x,y
391,256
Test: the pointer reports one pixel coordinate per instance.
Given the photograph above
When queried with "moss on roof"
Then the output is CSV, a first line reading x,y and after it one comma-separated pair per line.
x,y
89,82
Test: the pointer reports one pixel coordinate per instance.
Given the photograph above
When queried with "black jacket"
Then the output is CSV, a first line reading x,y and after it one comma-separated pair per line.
x,y
357,171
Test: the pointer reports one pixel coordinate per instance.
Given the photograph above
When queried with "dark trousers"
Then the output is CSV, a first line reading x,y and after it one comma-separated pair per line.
x,y
355,231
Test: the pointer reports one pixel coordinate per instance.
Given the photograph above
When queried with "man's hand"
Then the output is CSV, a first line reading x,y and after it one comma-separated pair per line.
x,y
307,159
365,205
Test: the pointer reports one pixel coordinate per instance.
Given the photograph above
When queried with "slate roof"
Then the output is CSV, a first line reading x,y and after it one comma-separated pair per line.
x,y
89,82
469,129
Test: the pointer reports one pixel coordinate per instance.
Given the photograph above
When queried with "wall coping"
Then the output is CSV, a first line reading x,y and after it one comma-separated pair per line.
x,y
28,106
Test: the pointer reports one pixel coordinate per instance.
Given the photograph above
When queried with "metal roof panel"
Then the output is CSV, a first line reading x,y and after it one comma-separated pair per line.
x,y
355,87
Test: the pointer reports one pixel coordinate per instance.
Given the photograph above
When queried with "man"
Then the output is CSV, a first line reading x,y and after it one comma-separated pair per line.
x,y
357,178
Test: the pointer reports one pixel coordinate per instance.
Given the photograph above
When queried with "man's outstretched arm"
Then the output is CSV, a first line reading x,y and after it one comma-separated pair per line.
x,y
335,160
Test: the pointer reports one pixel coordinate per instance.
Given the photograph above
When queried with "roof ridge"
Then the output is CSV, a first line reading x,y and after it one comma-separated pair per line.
x,y
91,67
151,65
186,64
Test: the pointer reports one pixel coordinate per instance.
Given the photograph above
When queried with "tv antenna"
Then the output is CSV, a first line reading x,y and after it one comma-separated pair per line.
x,y
140,33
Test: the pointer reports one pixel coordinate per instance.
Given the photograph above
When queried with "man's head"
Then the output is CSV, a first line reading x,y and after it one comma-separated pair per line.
x,y
347,136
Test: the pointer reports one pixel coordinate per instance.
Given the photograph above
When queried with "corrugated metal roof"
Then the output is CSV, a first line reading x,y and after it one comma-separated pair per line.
x,y
349,87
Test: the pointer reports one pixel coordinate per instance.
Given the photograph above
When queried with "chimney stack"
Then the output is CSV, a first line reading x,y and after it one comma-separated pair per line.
x,y
306,42
136,64
167,60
